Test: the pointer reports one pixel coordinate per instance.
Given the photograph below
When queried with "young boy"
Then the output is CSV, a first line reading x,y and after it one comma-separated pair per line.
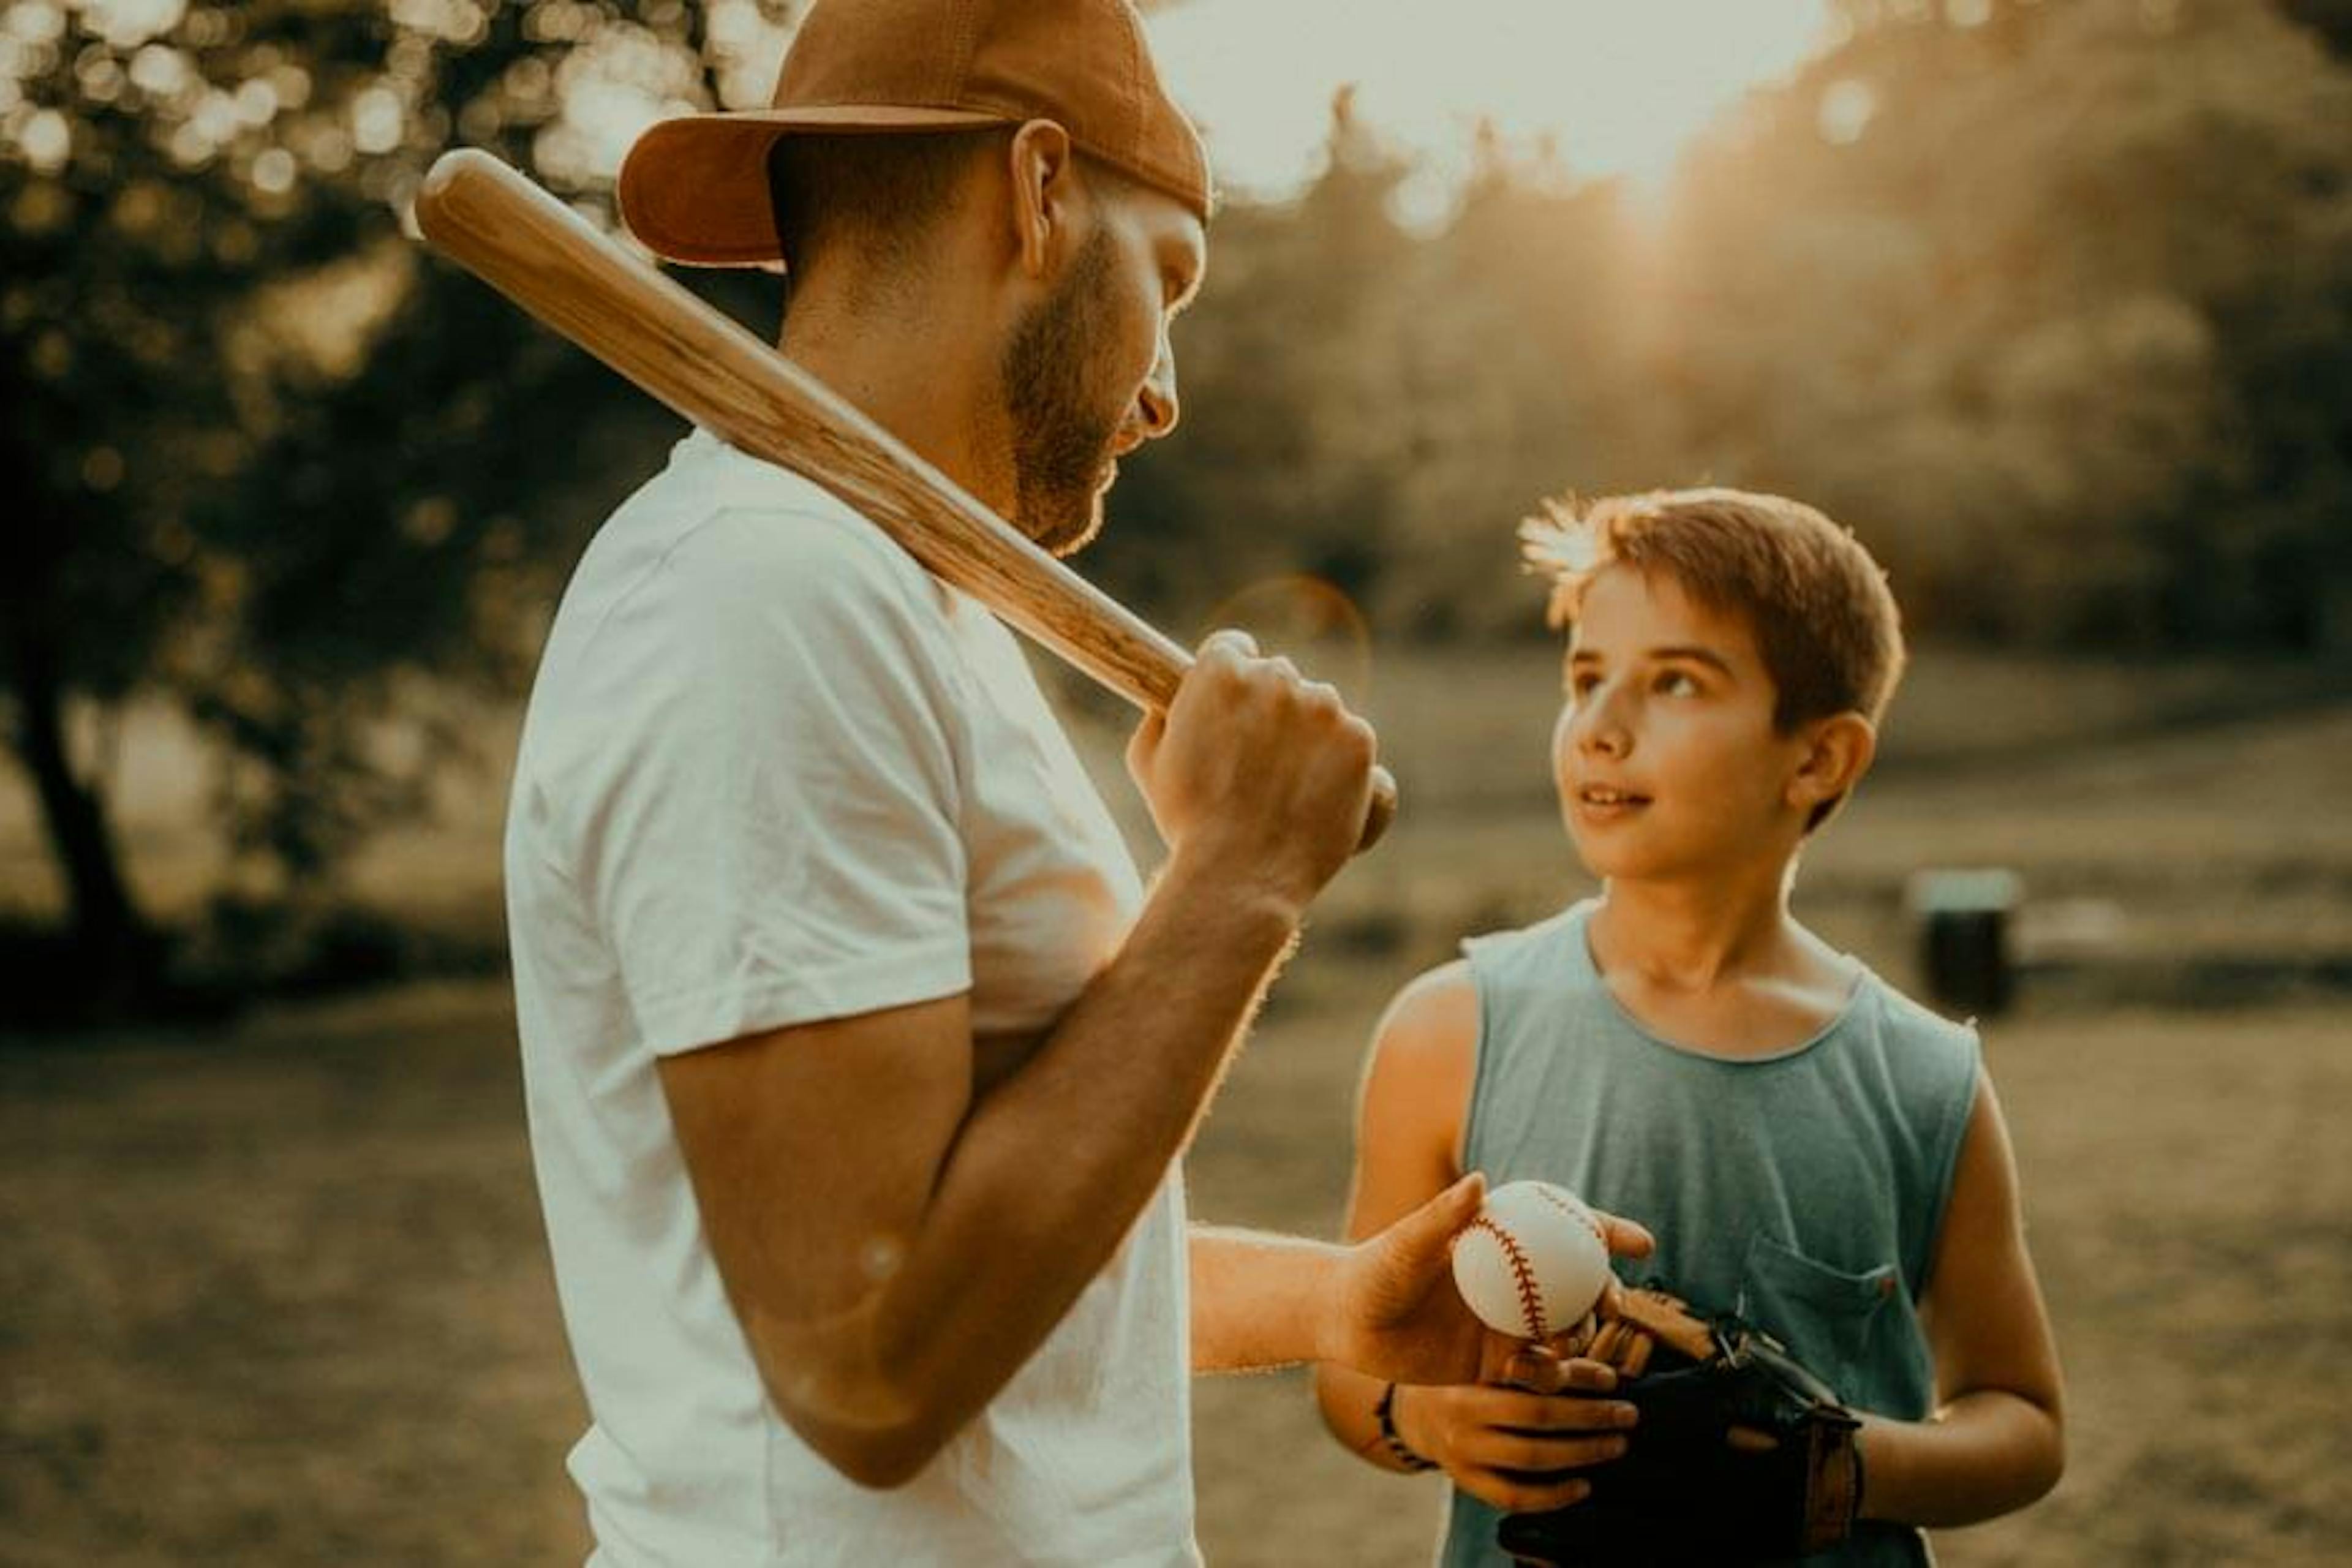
x,y
1809,1147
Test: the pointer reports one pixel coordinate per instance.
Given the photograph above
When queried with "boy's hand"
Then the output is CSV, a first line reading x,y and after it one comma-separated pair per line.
x,y
1513,1450
1398,1316
1729,1418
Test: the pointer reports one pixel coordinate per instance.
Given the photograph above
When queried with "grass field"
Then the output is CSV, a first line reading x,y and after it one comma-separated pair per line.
x,y
280,1294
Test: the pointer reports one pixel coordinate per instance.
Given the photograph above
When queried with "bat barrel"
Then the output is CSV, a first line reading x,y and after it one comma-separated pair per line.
x,y
547,258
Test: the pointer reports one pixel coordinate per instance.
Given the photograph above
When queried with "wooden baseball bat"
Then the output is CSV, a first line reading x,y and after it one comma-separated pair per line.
x,y
515,237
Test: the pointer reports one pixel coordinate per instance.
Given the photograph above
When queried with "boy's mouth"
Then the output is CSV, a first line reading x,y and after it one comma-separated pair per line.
x,y
1603,796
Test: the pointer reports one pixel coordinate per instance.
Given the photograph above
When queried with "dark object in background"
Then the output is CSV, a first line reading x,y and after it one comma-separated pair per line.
x,y
1963,921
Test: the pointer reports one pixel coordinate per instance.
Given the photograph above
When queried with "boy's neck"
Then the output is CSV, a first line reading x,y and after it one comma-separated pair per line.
x,y
1721,969
1696,935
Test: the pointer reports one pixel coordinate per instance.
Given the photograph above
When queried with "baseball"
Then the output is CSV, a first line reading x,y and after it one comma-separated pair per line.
x,y
1533,1262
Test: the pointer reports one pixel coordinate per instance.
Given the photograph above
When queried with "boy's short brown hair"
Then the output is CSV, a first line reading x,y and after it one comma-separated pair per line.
x,y
1824,619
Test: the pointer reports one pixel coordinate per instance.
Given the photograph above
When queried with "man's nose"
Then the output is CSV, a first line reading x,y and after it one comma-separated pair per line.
x,y
1156,403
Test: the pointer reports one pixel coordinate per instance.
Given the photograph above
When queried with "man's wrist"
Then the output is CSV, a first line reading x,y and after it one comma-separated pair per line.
x,y
1240,887
1322,1299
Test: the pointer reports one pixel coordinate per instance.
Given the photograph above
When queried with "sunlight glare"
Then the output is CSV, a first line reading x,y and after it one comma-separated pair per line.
x,y
1620,88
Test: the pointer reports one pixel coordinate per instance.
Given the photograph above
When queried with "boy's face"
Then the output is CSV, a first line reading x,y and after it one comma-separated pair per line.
x,y
1664,755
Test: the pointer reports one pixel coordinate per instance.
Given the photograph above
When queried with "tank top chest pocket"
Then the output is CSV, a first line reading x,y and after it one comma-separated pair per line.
x,y
1830,1319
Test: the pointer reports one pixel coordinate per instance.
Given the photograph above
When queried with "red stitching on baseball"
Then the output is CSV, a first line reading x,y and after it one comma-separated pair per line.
x,y
1530,1296
1573,1209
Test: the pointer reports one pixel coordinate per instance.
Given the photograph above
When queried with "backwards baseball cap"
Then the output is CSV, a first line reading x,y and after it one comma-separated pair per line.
x,y
695,189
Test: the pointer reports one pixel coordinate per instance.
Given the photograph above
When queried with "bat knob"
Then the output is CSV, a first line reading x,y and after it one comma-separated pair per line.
x,y
1383,811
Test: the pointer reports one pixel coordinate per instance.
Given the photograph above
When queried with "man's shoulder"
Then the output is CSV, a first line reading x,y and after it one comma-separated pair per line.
x,y
757,514
719,531
722,575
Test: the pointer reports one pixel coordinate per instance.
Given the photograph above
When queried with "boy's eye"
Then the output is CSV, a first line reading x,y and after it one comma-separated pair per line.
x,y
1582,681
1677,683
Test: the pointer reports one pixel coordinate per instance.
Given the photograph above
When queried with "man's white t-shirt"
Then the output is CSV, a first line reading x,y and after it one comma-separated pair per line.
x,y
773,773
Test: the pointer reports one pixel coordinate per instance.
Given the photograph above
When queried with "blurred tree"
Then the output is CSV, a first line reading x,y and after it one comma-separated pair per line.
x,y
2331,19
1293,428
1521,380
2053,303
1359,398
231,495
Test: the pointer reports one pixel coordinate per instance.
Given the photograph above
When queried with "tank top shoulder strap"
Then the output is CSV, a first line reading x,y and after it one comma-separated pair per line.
x,y
1537,991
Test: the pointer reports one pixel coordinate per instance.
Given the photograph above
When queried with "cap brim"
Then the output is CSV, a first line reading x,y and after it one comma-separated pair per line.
x,y
695,189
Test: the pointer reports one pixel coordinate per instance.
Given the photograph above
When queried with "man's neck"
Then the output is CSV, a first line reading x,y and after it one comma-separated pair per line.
x,y
927,388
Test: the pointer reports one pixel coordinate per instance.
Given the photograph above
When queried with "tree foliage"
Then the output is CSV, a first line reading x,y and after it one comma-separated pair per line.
x,y
2052,301
2054,306
269,464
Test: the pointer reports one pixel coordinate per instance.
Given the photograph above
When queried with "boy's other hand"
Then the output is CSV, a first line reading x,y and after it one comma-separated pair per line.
x,y
1513,1448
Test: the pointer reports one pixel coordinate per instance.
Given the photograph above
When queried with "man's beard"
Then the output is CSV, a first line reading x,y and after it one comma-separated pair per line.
x,y
1061,437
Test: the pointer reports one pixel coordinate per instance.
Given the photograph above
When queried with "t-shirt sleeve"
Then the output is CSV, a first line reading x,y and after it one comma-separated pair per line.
x,y
773,838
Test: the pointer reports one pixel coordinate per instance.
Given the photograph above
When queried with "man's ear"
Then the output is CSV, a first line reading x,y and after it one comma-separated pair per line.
x,y
1044,191
1838,751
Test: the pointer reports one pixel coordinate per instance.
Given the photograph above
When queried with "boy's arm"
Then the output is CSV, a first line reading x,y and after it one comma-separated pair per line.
x,y
1513,1448
1409,1109
1996,1442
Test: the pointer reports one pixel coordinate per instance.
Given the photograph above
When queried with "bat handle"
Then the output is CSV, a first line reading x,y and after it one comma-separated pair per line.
x,y
1383,808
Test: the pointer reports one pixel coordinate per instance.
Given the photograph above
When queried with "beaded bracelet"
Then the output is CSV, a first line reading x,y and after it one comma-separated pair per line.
x,y
1385,1412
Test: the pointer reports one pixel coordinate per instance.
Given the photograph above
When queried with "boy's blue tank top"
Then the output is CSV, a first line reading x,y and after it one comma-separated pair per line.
x,y
1804,1190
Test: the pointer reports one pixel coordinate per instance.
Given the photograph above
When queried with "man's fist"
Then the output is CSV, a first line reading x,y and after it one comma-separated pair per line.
x,y
1256,770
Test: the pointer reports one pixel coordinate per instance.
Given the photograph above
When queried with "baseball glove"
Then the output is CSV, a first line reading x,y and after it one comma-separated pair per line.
x,y
1741,1455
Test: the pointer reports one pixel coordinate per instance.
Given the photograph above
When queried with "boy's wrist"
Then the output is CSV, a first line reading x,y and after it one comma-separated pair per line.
x,y
1874,1463
1389,1414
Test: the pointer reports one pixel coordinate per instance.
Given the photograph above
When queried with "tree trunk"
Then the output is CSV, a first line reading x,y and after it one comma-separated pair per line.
x,y
111,940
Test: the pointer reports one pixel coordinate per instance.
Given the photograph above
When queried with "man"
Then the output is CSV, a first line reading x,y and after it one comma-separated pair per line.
x,y
859,1061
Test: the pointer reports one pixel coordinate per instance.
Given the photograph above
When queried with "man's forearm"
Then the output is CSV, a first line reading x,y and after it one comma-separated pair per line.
x,y
1258,1300
1984,1454
1052,1167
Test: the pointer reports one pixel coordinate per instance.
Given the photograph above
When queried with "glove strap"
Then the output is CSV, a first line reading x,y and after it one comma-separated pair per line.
x,y
1833,1483
1398,1450
1859,1480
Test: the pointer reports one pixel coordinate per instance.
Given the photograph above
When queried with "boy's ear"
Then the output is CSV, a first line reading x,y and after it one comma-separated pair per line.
x,y
1838,751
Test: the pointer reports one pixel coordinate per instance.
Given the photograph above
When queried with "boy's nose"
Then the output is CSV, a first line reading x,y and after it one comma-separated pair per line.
x,y
1608,739
1600,729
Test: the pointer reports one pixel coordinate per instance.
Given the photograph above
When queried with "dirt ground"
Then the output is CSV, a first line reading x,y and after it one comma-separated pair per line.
x,y
288,1302
282,1295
